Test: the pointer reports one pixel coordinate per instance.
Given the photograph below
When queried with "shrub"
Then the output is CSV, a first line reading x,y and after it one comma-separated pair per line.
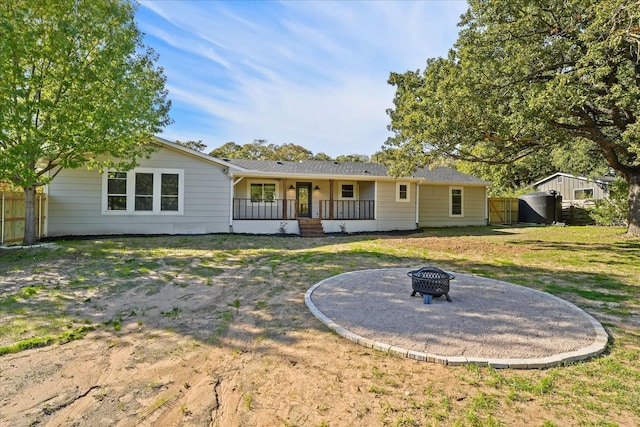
x,y
615,209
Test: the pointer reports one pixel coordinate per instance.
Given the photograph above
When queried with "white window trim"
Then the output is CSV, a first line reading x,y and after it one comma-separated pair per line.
x,y
276,195
461,214
355,190
398,199
593,193
157,183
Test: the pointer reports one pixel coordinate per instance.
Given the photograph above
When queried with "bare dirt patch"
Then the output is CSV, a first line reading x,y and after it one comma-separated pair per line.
x,y
213,330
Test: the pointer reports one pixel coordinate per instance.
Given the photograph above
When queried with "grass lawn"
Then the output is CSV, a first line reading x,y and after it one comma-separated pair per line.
x,y
56,294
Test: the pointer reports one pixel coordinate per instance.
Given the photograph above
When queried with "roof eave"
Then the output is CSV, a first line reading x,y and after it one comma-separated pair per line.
x,y
247,173
197,154
459,183
567,175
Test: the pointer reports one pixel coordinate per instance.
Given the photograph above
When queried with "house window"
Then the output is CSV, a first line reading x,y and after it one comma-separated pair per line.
x,y
582,193
455,201
169,192
347,191
263,192
143,191
402,192
117,191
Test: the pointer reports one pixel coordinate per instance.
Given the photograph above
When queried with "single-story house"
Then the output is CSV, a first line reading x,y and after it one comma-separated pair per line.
x,y
181,191
574,188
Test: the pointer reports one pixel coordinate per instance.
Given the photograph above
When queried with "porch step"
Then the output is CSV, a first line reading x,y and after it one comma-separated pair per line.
x,y
310,228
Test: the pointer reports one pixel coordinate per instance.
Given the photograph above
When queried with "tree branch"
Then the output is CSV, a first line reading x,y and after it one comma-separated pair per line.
x,y
591,130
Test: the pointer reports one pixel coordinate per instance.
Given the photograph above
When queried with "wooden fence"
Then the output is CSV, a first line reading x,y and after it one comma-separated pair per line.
x,y
503,210
577,212
12,216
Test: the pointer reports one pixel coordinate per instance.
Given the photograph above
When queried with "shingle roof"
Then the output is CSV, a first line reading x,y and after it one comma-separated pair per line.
x,y
311,167
318,167
444,174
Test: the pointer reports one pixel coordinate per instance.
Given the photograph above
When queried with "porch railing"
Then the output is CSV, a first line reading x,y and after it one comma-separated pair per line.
x,y
288,209
347,209
276,209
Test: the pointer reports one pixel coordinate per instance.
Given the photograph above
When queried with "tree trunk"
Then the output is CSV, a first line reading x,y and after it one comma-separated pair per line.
x,y
29,216
634,205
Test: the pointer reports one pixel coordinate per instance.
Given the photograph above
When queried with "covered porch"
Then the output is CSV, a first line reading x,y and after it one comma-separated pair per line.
x,y
287,199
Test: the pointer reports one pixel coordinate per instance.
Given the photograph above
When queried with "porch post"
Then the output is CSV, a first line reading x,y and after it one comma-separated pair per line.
x,y
331,199
231,190
284,198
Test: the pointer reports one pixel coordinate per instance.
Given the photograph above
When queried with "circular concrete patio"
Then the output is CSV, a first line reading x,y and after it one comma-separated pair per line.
x,y
488,322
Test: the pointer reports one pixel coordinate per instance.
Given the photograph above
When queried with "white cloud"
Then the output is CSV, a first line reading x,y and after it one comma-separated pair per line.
x,y
313,73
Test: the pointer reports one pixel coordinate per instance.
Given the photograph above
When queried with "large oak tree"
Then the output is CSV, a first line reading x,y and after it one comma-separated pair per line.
x,y
77,88
524,78
260,149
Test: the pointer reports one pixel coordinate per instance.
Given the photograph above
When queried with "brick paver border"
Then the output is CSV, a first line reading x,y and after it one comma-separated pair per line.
x,y
597,347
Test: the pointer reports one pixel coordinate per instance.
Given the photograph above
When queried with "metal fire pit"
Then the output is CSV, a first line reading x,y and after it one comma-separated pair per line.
x,y
430,282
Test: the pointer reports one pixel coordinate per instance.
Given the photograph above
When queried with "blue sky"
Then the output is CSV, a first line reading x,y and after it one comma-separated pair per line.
x,y
311,73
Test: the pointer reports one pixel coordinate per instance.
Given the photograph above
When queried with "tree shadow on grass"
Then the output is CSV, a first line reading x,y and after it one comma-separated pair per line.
x,y
251,288
227,295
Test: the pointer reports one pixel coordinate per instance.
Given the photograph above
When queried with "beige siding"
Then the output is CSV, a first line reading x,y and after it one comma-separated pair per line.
x,y
434,206
566,186
366,190
391,214
75,201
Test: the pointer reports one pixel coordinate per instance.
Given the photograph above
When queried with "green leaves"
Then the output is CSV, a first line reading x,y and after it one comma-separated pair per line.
x,y
527,79
259,149
77,88
76,85
524,76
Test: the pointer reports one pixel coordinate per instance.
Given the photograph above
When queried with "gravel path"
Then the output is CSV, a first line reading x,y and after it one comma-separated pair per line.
x,y
489,321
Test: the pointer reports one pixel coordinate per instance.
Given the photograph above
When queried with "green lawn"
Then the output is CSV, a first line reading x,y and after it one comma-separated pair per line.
x,y
53,294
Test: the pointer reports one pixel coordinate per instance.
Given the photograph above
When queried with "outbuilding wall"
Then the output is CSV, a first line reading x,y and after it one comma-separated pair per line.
x,y
567,186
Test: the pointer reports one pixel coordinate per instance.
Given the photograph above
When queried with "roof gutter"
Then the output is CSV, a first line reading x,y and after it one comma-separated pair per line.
x,y
275,175
232,185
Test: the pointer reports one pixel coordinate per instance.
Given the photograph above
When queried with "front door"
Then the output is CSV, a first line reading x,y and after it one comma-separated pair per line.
x,y
303,196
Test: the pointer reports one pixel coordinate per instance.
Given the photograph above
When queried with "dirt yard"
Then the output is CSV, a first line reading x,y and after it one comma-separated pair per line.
x,y
213,331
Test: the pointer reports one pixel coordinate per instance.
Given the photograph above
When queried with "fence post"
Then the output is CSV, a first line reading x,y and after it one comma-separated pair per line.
x,y
509,211
39,219
2,232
